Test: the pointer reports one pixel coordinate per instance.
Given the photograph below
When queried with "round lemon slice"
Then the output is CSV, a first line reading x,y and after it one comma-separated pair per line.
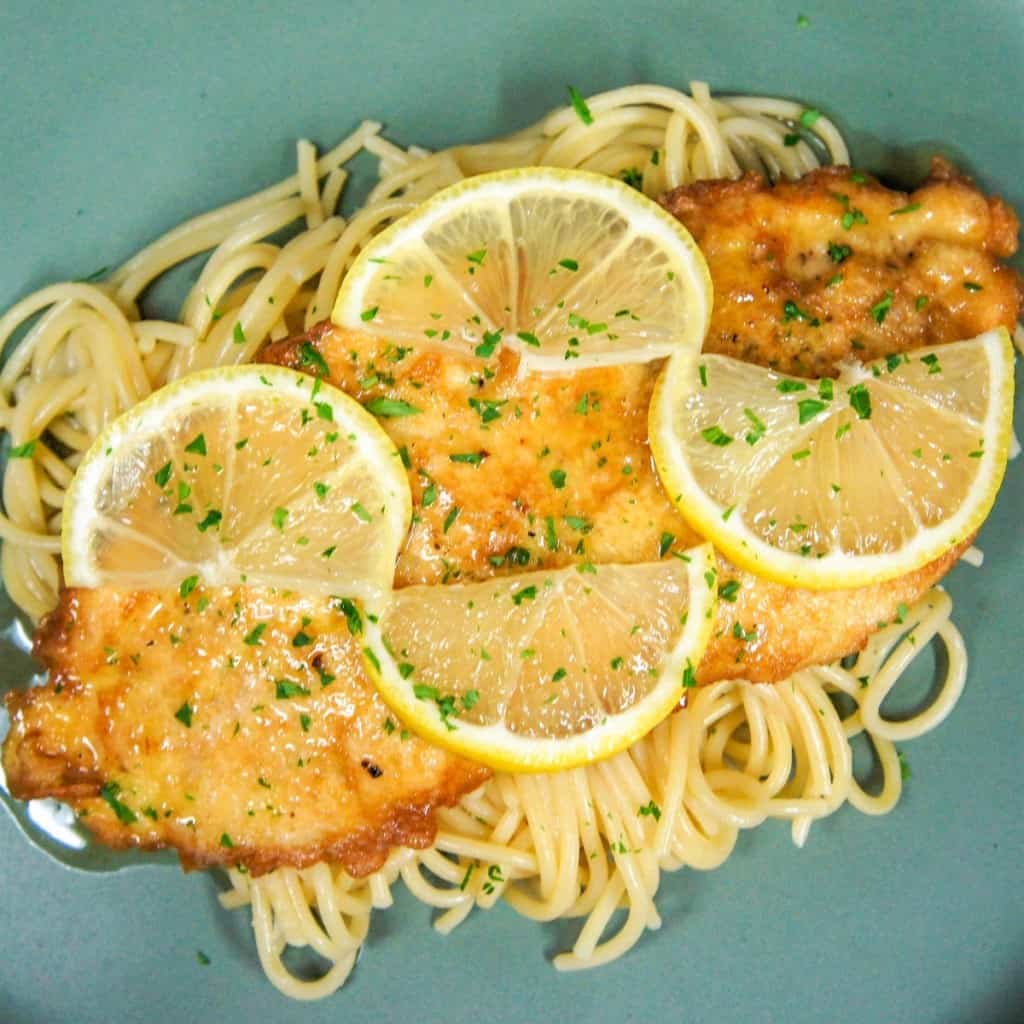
x,y
252,474
837,483
572,269
545,670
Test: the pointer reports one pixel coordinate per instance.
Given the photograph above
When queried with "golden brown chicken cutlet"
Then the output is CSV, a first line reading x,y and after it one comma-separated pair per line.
x,y
836,266
264,774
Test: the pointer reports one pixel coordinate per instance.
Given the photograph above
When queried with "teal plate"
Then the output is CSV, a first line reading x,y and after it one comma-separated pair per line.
x,y
120,120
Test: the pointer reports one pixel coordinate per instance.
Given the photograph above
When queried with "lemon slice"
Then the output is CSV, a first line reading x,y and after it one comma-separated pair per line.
x,y
570,268
837,483
547,669
243,474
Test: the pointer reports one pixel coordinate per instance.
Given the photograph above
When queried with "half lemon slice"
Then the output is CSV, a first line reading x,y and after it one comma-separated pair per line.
x,y
572,269
837,483
248,474
545,670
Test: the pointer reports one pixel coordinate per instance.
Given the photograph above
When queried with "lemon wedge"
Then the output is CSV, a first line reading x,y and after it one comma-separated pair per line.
x,y
252,474
545,670
837,483
571,269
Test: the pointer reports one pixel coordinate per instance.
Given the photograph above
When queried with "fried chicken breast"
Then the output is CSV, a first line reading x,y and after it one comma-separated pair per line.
x,y
276,766
836,266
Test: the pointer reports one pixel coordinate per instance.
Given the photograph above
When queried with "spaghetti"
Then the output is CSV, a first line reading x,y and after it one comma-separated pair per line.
x,y
583,843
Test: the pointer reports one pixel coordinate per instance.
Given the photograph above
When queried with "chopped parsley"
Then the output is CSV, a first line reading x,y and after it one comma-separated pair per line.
x,y
309,355
716,436
211,519
880,310
650,810
791,311
839,253
254,637
860,401
487,409
524,594
579,104
23,451
550,533
188,584
110,791
197,446
391,408
809,408
285,689
449,520
632,177
351,612
184,715
486,349
755,435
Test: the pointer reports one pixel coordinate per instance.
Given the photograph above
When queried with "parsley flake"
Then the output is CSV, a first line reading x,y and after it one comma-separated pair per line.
x,y
285,689
860,401
809,408
391,408
579,104
309,355
109,791
197,446
716,436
